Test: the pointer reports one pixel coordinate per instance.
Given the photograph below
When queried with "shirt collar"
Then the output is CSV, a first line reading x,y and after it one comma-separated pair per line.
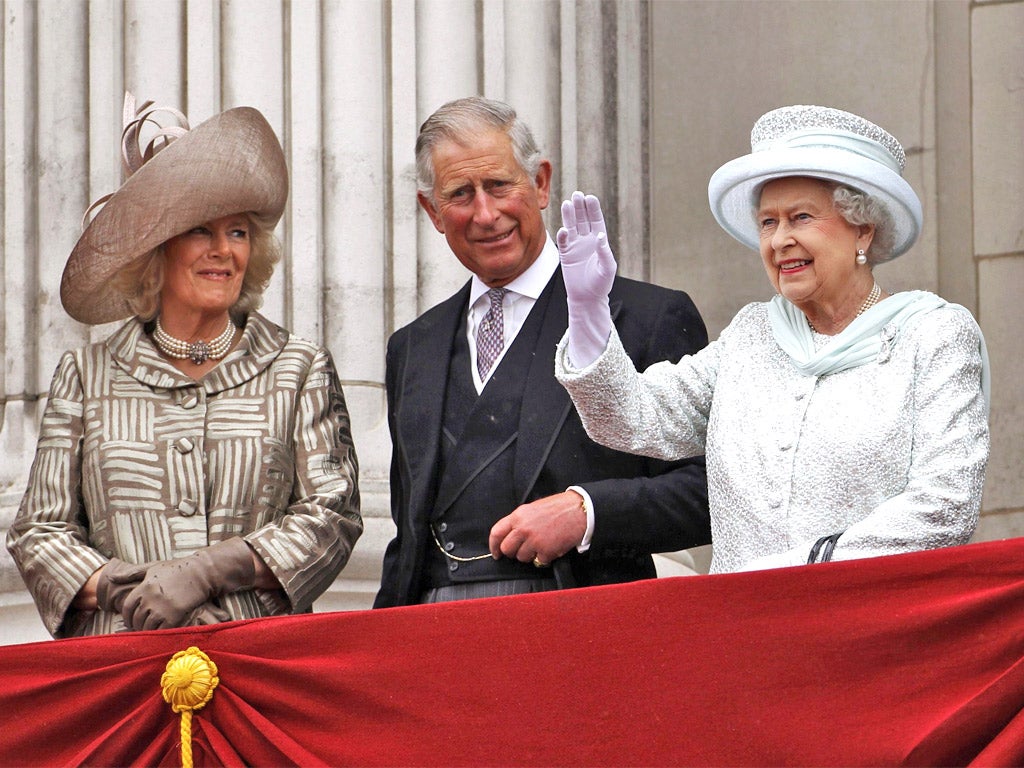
x,y
532,282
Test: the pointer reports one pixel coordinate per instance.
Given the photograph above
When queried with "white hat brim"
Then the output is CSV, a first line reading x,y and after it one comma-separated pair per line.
x,y
232,163
735,188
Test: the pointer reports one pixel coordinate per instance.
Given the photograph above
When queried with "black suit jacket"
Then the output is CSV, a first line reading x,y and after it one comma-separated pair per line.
x,y
641,505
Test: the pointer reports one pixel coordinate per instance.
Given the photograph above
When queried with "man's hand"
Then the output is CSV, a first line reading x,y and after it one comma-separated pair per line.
x,y
542,530
588,268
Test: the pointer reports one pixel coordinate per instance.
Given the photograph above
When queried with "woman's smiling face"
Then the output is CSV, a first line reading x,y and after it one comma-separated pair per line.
x,y
204,267
809,250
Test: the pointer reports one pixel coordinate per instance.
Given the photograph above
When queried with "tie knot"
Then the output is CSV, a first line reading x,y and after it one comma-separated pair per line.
x,y
496,295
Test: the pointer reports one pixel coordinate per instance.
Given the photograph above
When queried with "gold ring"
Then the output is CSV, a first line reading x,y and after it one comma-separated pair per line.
x,y
537,563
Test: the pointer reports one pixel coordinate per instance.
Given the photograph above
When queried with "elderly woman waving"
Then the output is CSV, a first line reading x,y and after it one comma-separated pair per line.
x,y
198,465
838,420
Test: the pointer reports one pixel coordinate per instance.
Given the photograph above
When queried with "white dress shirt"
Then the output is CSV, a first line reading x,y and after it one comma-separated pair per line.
x,y
523,293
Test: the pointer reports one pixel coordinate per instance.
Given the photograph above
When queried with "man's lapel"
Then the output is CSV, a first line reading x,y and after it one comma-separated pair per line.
x,y
425,377
546,404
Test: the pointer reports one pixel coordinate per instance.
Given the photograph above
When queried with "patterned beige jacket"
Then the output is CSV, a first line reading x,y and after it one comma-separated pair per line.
x,y
135,460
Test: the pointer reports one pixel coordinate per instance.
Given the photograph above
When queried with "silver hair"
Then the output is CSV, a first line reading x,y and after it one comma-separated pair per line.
x,y
141,281
861,208
458,121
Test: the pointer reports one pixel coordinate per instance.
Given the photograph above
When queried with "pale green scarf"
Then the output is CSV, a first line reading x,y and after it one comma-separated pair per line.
x,y
870,335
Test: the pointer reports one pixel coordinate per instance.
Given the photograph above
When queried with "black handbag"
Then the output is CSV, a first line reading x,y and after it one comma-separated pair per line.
x,y
823,547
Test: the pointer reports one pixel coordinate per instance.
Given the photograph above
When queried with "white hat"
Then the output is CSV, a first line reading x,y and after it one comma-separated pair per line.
x,y
822,143
232,163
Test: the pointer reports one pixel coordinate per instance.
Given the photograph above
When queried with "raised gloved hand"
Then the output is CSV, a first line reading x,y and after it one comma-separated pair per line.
x,y
588,267
172,589
117,578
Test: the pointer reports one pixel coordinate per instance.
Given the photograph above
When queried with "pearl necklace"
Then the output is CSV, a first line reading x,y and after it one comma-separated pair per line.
x,y
196,351
870,301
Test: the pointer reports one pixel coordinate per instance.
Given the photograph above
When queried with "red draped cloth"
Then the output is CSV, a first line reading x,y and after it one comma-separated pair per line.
x,y
911,659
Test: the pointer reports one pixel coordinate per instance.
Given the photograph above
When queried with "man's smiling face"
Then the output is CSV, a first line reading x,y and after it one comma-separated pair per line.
x,y
487,207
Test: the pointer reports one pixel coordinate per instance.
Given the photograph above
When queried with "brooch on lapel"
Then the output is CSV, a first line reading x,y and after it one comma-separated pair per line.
x,y
888,337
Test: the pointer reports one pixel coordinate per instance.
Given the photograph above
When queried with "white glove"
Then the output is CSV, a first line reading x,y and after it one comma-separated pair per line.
x,y
588,267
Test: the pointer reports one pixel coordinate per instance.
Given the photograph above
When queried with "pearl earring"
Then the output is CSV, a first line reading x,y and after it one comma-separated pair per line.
x,y
861,258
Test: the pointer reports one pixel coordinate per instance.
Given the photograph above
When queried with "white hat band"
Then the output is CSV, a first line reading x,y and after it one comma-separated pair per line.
x,y
833,139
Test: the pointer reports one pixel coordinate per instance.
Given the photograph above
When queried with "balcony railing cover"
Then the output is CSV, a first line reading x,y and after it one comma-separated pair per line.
x,y
910,659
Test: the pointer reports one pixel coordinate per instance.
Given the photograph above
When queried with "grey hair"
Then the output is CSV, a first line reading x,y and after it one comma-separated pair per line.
x,y
141,280
457,121
861,208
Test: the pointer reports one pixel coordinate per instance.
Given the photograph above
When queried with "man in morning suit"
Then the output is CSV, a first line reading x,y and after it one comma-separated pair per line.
x,y
495,487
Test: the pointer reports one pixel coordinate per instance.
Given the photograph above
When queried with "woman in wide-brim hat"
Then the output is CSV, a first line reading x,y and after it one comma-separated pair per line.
x,y
839,421
198,465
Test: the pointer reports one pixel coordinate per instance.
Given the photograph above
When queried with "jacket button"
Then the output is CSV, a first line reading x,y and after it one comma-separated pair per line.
x,y
442,527
190,402
449,546
187,507
453,566
184,445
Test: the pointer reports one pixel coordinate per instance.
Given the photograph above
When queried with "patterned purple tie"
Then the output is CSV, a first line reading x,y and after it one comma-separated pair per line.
x,y
490,336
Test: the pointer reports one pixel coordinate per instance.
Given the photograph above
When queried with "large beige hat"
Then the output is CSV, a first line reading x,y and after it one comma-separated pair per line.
x,y
232,163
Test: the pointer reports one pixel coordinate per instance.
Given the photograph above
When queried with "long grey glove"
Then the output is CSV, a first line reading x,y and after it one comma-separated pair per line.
x,y
588,267
172,589
117,578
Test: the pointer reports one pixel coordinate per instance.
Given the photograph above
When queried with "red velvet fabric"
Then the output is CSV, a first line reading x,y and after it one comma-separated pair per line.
x,y
913,659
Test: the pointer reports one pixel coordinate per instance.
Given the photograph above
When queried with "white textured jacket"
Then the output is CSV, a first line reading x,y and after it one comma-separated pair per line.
x,y
891,453
135,460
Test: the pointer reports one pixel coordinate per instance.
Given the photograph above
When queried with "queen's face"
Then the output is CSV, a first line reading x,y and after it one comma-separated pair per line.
x,y
204,268
809,250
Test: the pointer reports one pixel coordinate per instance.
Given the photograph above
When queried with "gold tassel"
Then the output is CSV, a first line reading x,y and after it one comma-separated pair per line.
x,y
187,685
